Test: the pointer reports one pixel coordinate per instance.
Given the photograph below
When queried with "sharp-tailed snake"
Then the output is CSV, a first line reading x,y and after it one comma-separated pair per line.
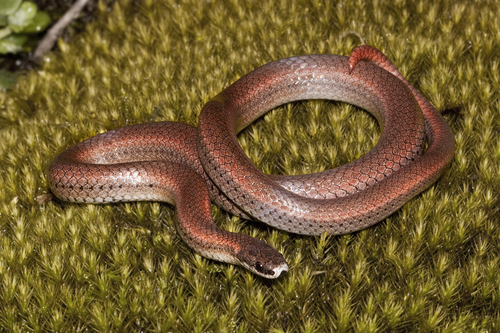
x,y
188,167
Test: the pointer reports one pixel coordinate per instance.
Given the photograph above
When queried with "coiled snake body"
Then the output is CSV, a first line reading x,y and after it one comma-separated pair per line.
x,y
188,167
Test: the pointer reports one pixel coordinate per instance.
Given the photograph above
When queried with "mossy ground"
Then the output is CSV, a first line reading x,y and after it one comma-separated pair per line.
x,y
431,266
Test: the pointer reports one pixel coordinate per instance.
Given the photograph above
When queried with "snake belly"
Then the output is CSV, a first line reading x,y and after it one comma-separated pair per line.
x,y
188,167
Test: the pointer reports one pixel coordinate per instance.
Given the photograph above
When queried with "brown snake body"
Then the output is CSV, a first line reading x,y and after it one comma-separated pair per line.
x,y
179,164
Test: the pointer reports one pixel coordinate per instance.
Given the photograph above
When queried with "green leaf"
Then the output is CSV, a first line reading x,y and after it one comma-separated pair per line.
x,y
12,43
7,79
23,16
8,7
40,22
5,32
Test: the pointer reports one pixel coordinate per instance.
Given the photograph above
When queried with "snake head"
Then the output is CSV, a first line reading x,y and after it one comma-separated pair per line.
x,y
262,259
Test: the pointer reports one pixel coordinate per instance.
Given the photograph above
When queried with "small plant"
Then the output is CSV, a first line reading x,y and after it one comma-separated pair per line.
x,y
18,20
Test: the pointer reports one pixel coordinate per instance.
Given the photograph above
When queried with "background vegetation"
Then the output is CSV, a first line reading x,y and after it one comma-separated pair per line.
x,y
431,266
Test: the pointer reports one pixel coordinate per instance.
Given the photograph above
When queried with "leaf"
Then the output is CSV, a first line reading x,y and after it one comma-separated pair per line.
x,y
5,32
12,43
40,22
23,16
8,7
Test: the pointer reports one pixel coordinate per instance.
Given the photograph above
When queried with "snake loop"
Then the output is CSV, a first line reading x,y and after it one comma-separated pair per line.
x,y
188,167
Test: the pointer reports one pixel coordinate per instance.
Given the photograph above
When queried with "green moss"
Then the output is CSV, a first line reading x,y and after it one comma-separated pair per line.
x,y
431,266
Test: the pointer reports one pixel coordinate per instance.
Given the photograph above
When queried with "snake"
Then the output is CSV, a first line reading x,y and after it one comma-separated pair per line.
x,y
191,167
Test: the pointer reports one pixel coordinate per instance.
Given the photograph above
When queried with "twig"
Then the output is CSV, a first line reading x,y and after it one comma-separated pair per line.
x,y
51,36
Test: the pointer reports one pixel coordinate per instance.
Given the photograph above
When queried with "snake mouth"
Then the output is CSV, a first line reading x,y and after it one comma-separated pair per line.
x,y
266,272
278,270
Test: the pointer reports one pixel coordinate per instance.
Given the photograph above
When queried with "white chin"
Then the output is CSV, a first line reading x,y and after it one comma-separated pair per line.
x,y
278,270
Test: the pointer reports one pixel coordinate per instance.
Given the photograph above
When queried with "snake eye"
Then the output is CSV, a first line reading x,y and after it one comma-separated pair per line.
x,y
258,266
